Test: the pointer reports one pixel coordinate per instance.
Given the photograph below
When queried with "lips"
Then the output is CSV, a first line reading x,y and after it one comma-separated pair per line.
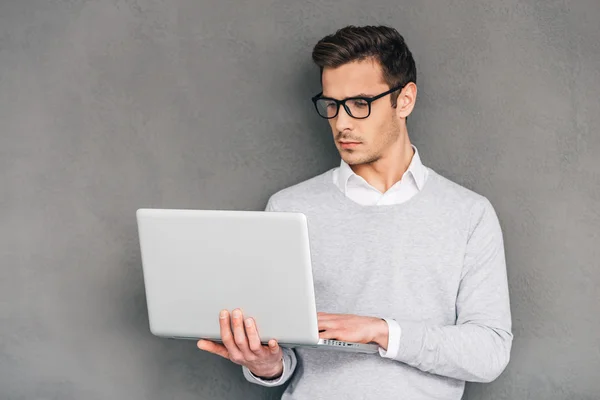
x,y
347,145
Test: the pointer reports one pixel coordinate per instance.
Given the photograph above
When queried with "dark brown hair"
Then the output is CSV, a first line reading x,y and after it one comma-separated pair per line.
x,y
381,43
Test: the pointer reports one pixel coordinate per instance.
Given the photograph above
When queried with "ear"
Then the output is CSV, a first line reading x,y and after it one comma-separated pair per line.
x,y
406,100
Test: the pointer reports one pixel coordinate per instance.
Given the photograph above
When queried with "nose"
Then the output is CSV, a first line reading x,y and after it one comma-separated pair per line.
x,y
343,121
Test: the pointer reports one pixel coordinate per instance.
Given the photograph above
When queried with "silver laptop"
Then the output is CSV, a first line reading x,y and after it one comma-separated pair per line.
x,y
198,262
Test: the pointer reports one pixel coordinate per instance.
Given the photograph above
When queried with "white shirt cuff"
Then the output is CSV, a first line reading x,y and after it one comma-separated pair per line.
x,y
395,332
270,382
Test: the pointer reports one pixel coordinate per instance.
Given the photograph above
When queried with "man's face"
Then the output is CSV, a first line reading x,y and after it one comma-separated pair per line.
x,y
371,137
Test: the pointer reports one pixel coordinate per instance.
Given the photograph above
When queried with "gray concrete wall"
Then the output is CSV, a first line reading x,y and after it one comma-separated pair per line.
x,y
111,105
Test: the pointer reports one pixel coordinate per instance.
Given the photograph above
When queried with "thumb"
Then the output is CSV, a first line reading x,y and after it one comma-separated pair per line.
x,y
274,346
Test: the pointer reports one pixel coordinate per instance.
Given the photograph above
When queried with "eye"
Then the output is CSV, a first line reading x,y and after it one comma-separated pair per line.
x,y
359,103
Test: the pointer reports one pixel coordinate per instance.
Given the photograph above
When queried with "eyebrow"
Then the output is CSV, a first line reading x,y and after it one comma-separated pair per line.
x,y
350,97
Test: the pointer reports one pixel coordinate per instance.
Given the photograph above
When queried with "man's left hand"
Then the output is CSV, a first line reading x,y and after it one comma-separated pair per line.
x,y
353,328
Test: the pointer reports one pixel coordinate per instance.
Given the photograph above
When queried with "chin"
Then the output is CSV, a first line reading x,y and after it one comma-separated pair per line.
x,y
358,159
351,159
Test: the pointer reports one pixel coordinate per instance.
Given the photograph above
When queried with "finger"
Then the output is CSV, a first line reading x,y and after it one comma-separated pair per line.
x,y
213,347
329,334
327,324
239,333
227,336
328,316
253,337
273,346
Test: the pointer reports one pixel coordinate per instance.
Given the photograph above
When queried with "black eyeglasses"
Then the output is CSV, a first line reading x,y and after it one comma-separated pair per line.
x,y
357,107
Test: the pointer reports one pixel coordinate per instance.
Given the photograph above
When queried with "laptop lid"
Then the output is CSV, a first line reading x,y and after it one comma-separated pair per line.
x,y
197,262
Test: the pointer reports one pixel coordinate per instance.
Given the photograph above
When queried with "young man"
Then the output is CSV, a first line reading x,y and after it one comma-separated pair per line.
x,y
402,256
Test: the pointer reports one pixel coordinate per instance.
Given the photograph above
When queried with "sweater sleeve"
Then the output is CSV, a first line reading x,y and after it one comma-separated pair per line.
x,y
477,348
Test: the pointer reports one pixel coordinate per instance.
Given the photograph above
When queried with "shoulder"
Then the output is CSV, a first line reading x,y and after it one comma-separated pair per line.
x,y
297,195
472,205
454,191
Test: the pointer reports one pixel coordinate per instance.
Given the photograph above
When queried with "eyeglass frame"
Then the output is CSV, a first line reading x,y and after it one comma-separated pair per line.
x,y
369,100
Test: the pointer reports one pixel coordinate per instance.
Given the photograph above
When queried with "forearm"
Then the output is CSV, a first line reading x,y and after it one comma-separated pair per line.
x,y
469,352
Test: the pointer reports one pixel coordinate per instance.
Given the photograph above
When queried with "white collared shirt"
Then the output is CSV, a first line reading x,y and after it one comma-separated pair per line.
x,y
360,191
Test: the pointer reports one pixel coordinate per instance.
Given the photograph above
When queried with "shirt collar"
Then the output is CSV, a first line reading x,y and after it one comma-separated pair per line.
x,y
416,169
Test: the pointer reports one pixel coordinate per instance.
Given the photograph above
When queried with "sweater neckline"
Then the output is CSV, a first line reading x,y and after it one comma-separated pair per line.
x,y
351,204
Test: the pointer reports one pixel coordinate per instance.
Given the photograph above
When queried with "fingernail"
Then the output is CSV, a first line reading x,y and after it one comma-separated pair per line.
x,y
236,313
223,314
248,322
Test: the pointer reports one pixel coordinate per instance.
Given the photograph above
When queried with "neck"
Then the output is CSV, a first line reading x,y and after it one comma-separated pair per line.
x,y
390,167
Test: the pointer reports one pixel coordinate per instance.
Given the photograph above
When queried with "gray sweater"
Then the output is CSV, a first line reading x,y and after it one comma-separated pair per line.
x,y
435,264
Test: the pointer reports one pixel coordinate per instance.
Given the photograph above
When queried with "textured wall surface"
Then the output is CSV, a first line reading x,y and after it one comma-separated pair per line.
x,y
111,105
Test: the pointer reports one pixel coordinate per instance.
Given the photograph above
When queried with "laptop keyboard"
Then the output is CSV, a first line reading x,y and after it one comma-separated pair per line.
x,y
331,342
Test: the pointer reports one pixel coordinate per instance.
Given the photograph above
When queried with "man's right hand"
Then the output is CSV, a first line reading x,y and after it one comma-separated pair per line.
x,y
243,346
